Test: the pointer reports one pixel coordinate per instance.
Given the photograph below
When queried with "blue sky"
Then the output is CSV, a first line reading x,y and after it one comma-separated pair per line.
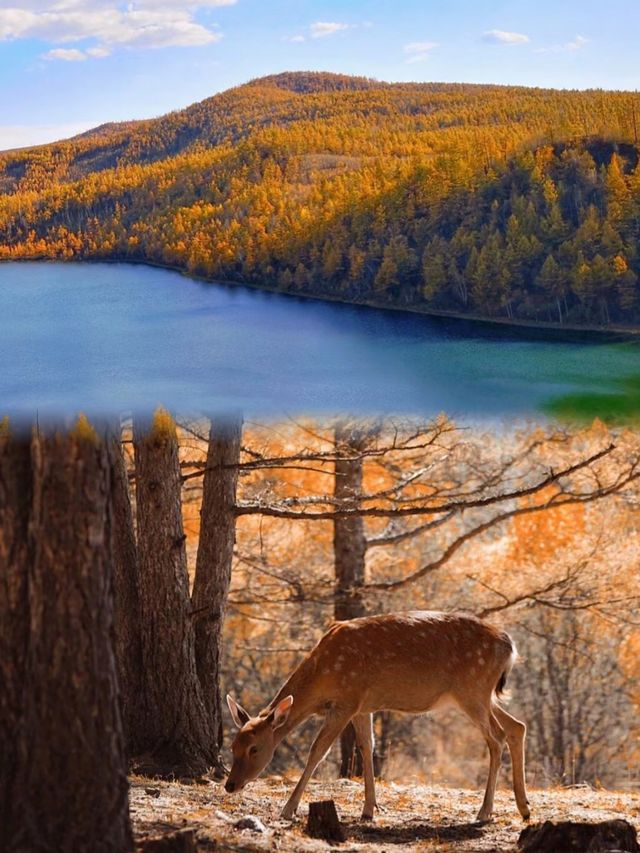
x,y
66,65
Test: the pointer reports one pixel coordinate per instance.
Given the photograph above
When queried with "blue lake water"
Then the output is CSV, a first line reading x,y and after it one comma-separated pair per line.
x,y
107,338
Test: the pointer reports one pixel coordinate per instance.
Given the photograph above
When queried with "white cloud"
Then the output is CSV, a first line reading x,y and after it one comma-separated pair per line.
x,y
570,47
70,54
185,4
321,29
578,43
98,52
110,23
502,37
418,51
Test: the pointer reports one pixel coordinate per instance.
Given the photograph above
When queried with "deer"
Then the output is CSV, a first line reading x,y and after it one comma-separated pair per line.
x,y
408,662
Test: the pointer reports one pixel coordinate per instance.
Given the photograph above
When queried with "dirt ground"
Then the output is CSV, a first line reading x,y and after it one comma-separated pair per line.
x,y
414,817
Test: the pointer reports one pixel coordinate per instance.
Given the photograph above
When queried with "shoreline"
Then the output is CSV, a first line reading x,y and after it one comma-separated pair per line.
x,y
538,329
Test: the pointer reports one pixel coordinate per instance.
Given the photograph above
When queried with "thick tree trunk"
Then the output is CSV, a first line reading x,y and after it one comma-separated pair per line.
x,y
179,738
69,781
350,548
128,636
15,504
213,564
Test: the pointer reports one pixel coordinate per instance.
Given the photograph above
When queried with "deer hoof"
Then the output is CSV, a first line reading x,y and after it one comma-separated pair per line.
x,y
484,817
367,815
288,813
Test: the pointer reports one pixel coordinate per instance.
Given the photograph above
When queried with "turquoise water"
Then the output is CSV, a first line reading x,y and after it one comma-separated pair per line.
x,y
108,338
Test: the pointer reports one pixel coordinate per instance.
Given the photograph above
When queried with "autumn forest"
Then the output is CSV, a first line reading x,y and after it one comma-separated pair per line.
x,y
494,201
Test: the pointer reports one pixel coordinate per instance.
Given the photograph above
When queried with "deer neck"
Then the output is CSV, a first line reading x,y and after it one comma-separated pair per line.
x,y
305,702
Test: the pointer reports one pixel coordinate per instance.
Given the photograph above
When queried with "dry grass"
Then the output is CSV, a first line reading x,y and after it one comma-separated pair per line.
x,y
415,818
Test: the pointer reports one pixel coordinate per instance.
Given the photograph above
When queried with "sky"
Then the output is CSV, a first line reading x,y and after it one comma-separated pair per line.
x,y
67,65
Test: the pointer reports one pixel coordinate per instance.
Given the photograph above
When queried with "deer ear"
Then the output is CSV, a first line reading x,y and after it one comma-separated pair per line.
x,y
281,712
240,716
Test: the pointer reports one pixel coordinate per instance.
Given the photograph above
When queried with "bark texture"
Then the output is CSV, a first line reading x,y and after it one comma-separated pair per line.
x,y
179,737
382,731
15,505
68,780
350,549
128,634
213,564
323,822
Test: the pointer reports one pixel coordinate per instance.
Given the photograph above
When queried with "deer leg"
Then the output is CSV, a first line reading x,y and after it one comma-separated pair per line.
x,y
515,731
330,730
363,724
482,716
494,736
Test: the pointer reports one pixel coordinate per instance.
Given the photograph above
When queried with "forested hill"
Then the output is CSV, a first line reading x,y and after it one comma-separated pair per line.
x,y
496,201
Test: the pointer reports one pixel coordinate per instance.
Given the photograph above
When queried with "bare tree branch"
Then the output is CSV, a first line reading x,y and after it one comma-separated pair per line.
x,y
455,546
280,511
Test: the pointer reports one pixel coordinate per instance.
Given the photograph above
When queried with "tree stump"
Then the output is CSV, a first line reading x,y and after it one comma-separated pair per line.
x,y
610,836
323,822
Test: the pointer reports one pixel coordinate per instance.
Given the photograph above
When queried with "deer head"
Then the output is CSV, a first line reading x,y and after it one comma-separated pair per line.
x,y
255,742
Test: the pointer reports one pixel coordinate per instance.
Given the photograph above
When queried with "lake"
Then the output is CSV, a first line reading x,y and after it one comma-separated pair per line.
x,y
107,338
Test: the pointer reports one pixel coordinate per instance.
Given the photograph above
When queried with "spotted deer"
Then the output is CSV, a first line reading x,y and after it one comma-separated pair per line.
x,y
407,662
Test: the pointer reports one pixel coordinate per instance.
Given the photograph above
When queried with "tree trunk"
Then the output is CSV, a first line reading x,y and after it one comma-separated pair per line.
x,y
213,564
15,503
69,781
382,731
350,548
128,637
179,738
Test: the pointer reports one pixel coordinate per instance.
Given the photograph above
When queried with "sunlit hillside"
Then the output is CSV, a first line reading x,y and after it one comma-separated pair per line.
x,y
497,201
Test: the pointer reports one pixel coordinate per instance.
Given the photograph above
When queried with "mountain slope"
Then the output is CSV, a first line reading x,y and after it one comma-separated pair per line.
x,y
501,201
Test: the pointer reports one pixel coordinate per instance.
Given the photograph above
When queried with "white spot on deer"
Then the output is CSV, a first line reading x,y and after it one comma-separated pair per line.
x,y
480,660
